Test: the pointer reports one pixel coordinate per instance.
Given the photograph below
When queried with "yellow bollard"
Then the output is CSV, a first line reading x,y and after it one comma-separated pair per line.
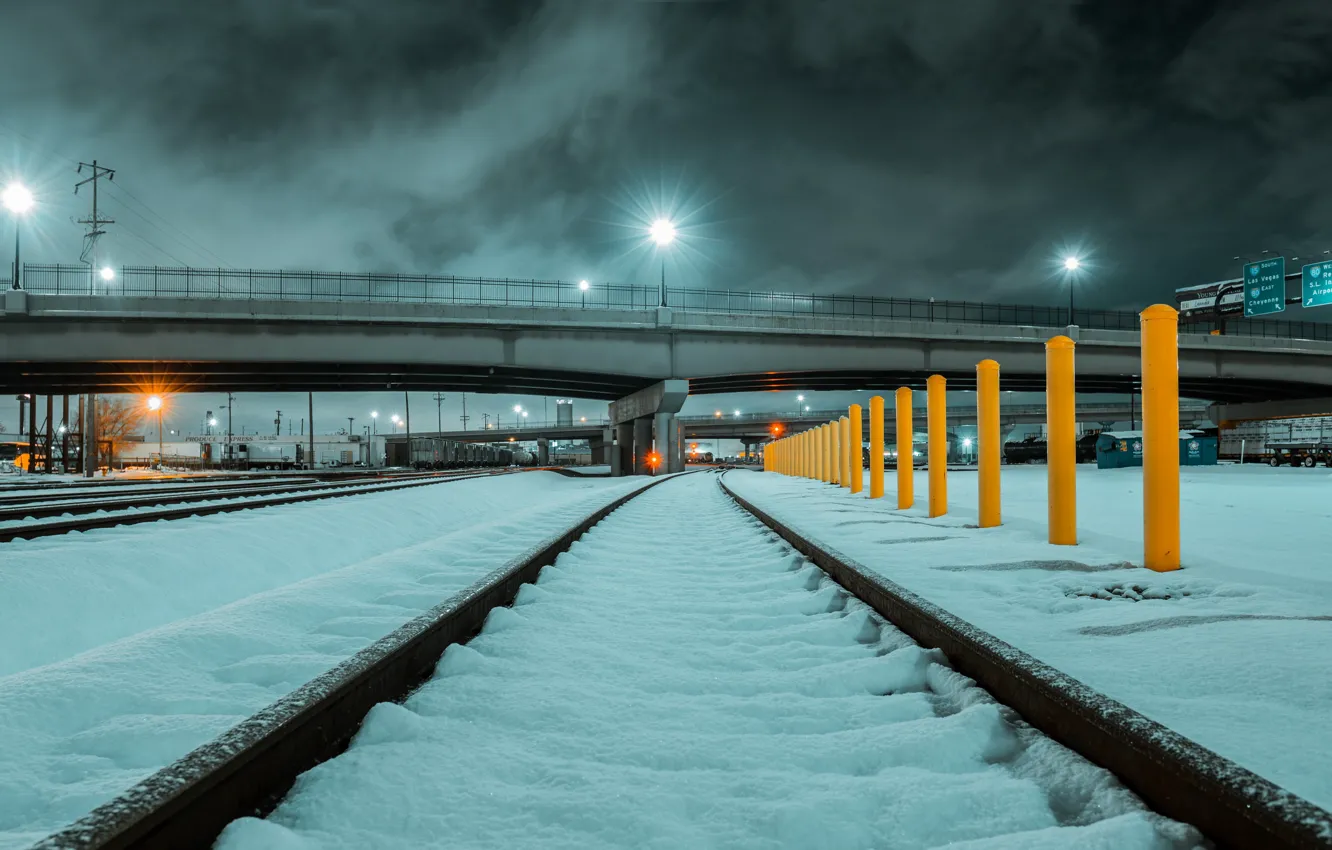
x,y
856,454
835,448
1160,437
936,417
876,447
1061,441
819,465
906,461
988,448
844,456
826,446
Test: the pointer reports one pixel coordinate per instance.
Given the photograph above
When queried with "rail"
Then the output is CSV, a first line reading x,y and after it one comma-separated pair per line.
x,y
248,769
1174,775
309,493
276,285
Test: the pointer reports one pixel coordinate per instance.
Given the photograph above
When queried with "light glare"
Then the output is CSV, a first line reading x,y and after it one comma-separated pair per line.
x,y
154,403
582,284
17,199
663,232
108,273
1072,263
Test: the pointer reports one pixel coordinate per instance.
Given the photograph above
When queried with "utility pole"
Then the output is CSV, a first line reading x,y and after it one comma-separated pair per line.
x,y
278,423
95,231
485,420
94,223
226,453
464,416
439,416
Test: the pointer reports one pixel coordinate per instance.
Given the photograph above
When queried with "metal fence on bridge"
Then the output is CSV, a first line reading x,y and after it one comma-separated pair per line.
x,y
177,282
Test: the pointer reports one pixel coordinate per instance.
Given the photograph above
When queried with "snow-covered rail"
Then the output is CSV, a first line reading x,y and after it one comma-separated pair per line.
x,y
1176,776
110,512
248,768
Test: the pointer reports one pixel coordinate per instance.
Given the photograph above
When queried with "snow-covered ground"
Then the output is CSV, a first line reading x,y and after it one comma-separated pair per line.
x,y
122,649
681,678
168,501
1231,651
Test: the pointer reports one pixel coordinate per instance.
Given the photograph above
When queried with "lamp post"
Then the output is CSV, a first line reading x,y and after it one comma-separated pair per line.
x,y
517,413
155,403
18,200
800,400
1071,265
663,233
583,287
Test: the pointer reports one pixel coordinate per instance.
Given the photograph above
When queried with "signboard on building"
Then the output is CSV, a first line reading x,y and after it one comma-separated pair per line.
x,y
236,438
1265,287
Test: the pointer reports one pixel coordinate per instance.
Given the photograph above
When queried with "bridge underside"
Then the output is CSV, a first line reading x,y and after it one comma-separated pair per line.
x,y
198,376
1204,388
195,376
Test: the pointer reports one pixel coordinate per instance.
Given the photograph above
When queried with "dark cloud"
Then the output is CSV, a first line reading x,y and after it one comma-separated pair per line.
x,y
941,147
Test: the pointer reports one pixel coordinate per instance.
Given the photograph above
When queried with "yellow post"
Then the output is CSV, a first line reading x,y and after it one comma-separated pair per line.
x,y
826,446
844,456
906,464
809,454
876,447
1061,441
1160,437
988,447
936,417
855,453
835,450
819,466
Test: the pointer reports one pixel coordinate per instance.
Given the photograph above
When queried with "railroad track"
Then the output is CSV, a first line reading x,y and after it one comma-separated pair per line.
x,y
85,503
248,770
307,493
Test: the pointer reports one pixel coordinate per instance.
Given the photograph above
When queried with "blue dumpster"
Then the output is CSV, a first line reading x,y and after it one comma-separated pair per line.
x,y
1115,449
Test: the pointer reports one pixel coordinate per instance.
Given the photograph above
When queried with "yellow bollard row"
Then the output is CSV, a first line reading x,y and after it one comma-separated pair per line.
x,y
832,452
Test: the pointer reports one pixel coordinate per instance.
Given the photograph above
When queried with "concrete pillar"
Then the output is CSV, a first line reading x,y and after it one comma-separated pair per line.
x,y
543,451
667,438
622,458
677,463
641,445
602,447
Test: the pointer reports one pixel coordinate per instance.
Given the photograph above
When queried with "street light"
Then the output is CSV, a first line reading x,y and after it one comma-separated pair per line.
x,y
737,413
108,274
18,200
663,233
155,403
800,399
1071,265
582,288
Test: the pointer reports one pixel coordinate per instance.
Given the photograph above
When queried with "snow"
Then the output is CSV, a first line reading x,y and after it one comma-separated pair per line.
x,y
681,678
123,649
1230,651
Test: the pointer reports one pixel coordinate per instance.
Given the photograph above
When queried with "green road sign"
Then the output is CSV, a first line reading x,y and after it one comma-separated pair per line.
x,y
1316,284
1265,287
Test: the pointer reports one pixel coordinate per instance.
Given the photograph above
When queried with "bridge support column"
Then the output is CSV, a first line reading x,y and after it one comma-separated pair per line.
x,y
602,447
651,408
677,461
641,445
622,456
543,451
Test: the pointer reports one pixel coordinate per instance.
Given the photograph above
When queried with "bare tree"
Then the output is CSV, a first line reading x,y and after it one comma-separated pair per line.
x,y
117,420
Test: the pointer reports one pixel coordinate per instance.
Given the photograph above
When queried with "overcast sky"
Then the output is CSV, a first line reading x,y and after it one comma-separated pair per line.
x,y
947,148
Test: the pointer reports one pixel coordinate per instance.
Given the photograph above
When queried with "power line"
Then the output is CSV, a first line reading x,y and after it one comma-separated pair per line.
x,y
159,249
138,215
195,244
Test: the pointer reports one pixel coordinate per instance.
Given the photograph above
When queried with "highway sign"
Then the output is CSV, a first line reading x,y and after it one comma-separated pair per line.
x,y
1265,287
1316,284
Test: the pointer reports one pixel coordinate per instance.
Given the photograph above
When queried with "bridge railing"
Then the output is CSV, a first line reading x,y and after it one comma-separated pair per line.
x,y
179,282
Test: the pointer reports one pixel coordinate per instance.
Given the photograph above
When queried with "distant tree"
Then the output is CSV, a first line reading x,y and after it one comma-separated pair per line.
x,y
117,420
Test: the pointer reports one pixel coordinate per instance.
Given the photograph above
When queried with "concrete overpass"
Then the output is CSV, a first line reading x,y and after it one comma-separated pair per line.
x,y
81,343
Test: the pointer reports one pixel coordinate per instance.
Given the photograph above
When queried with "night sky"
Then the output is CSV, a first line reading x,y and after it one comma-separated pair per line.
x,y
934,148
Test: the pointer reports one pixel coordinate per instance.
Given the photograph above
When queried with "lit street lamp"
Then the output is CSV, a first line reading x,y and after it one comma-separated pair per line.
x,y
663,233
582,288
18,200
1071,266
155,403
800,399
